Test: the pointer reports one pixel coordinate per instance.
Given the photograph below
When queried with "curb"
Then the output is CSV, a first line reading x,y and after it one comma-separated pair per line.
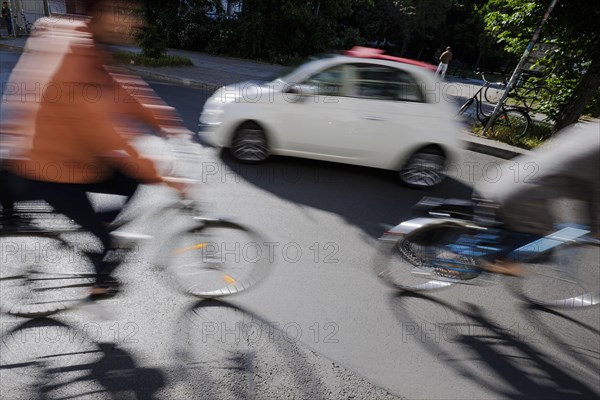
x,y
173,79
494,151
11,47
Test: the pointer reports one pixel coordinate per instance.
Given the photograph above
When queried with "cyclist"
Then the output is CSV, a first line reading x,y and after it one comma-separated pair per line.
x,y
68,119
566,167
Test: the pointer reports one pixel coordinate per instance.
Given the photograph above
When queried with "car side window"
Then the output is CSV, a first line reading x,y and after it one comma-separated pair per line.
x,y
328,82
380,82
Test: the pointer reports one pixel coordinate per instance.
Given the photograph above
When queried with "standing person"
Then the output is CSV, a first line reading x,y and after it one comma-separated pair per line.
x,y
445,59
68,120
7,17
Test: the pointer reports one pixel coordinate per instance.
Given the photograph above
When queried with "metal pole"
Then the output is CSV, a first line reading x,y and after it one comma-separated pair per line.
x,y
517,72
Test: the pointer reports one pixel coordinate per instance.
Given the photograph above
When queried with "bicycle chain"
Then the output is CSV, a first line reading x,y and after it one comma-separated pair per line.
x,y
407,253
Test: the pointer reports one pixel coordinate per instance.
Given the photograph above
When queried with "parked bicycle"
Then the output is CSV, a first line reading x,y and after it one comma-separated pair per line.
x,y
510,121
449,242
529,94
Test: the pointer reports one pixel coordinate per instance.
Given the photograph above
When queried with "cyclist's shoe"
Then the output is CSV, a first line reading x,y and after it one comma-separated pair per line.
x,y
105,288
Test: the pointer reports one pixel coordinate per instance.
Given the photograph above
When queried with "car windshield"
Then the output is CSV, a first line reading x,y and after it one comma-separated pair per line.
x,y
298,73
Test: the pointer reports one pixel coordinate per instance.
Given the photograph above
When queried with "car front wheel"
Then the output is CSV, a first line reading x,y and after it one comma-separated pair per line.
x,y
424,169
249,144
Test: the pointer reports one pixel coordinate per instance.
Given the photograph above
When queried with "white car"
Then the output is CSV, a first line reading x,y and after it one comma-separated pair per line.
x,y
374,111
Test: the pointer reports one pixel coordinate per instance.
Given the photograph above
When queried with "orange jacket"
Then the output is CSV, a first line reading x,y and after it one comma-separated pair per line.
x,y
67,113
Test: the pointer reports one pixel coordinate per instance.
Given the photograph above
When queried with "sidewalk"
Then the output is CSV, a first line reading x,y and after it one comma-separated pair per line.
x,y
211,72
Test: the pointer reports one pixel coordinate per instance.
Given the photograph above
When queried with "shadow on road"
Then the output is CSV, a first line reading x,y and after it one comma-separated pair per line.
x,y
44,358
226,352
364,197
476,347
576,339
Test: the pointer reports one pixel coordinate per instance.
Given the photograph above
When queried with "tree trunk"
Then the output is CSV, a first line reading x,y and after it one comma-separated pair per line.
x,y
583,94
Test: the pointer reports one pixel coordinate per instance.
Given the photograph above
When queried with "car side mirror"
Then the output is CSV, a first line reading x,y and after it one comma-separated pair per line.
x,y
298,93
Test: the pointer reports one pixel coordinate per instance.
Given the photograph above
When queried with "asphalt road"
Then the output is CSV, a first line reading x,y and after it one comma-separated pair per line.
x,y
327,327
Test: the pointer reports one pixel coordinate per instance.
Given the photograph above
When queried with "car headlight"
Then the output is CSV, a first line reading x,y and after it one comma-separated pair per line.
x,y
211,116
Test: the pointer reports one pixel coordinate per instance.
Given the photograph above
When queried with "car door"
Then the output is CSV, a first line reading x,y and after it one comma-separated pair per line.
x,y
391,115
314,113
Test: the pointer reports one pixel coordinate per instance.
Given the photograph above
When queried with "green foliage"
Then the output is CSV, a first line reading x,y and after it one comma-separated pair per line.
x,y
151,42
198,24
513,22
593,107
290,30
571,34
471,43
270,30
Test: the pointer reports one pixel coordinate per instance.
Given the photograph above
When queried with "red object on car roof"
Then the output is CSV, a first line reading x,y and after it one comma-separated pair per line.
x,y
368,52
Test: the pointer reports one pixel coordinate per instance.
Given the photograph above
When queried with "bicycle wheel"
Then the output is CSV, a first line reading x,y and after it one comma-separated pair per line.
x,y
426,259
466,106
568,278
493,94
219,258
512,123
34,279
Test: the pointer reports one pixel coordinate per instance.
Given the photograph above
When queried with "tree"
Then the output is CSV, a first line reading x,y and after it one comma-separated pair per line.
x,y
404,26
280,30
470,42
572,33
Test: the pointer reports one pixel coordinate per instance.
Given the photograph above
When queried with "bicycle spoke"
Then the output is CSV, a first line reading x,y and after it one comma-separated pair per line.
x,y
217,260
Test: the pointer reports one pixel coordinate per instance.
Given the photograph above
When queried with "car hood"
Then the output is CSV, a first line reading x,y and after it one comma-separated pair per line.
x,y
247,91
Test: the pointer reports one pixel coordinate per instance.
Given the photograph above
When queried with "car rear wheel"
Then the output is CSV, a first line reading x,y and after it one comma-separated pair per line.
x,y
424,169
249,143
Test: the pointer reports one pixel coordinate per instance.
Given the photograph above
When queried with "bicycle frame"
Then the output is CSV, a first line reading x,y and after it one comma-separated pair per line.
x,y
482,247
207,274
478,99
453,246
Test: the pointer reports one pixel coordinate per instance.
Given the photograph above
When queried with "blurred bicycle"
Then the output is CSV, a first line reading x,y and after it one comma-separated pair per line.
x,y
452,244
46,268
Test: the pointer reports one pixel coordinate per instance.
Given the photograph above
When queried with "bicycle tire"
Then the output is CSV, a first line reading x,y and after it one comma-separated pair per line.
x,y
219,258
423,261
564,280
511,122
466,106
493,94
41,287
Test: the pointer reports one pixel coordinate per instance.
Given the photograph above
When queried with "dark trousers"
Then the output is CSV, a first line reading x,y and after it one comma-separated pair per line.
x,y
72,201
6,199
